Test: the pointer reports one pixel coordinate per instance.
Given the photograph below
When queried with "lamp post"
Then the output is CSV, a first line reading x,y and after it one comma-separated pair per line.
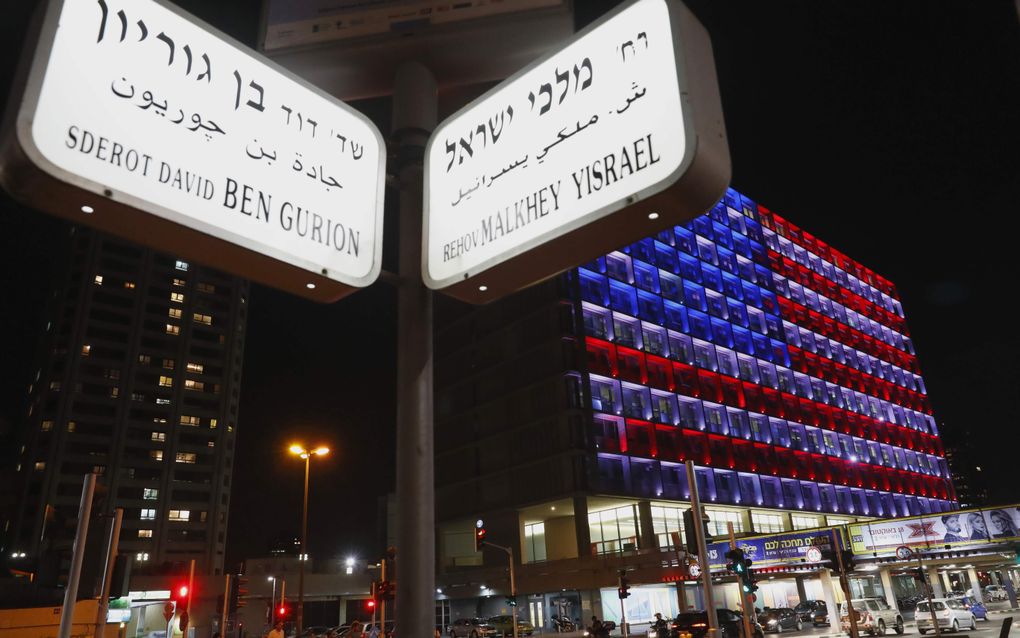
x,y
272,603
307,455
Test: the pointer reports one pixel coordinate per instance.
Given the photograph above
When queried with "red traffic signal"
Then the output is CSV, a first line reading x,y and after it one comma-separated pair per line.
x,y
479,538
370,603
282,611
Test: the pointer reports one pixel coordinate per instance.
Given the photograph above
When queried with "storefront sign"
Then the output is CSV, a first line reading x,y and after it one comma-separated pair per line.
x,y
779,549
140,120
937,531
613,137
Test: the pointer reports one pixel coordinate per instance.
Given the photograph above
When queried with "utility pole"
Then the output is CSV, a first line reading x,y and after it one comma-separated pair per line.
x,y
111,559
226,607
414,118
927,592
382,602
513,581
77,555
844,583
699,534
747,609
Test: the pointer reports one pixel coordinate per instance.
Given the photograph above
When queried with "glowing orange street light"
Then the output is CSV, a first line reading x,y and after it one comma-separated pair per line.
x,y
300,450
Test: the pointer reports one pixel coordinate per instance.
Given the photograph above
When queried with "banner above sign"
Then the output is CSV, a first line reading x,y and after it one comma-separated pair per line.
x,y
613,137
955,529
138,119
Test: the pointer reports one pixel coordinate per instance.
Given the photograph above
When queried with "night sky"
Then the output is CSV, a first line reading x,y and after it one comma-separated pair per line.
x,y
888,129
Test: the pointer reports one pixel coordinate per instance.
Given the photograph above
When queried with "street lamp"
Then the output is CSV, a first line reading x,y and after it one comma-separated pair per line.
x,y
299,450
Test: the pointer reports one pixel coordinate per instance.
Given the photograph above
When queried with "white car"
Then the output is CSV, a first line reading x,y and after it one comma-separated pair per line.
x,y
950,613
874,616
995,592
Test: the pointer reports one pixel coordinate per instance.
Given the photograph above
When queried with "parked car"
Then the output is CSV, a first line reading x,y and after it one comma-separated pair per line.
x,y
995,592
387,629
779,619
813,611
315,632
695,623
471,628
969,602
950,613
873,615
504,626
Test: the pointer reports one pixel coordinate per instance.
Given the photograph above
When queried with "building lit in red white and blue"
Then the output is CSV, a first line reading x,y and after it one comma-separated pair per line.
x,y
780,366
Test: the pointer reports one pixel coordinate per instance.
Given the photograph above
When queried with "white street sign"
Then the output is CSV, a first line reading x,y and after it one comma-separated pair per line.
x,y
176,136
613,137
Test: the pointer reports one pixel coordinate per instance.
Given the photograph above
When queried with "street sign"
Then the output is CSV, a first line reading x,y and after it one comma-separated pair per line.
x,y
613,137
140,120
813,555
903,552
168,610
694,569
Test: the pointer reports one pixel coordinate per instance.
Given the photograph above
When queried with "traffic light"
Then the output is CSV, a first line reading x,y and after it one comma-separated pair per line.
x,y
479,536
384,590
747,582
370,604
511,602
241,597
180,594
282,611
689,538
622,586
736,558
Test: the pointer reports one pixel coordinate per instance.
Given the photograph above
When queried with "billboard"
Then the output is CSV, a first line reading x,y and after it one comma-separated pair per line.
x,y
954,529
792,548
611,138
140,120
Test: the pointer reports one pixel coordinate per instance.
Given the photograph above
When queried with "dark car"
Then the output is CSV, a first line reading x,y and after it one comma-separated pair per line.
x,y
779,619
813,611
695,623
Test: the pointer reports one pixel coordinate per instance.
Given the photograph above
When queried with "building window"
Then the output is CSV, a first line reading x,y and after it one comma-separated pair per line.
x,y
40,465
174,313
150,494
156,455
141,557
98,280
71,426
804,522
145,533
162,401
719,518
204,287
85,350
180,515
55,385
166,382
767,523
159,436
534,542
182,265
148,515
669,526
114,393
212,424
186,457
46,426
179,283
203,319
130,285
838,520
144,358
190,420
191,384
171,329
613,531
177,297
197,368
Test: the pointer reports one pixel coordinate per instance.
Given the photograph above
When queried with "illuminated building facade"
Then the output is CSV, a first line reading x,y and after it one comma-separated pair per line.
x,y
781,367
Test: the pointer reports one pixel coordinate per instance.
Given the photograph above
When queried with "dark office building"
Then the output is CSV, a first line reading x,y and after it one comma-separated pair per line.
x,y
137,380
781,367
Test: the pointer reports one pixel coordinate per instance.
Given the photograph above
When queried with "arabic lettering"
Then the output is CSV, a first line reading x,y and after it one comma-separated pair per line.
x,y
637,96
562,136
149,101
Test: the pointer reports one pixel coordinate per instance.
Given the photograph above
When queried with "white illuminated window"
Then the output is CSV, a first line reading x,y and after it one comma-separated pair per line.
x,y
177,297
180,515
148,515
150,493
162,401
182,265
141,557
159,436
767,522
145,533
174,313
98,280
804,522
196,367
203,319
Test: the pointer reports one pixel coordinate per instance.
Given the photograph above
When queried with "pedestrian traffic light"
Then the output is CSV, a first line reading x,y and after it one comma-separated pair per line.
x,y
479,536
384,590
242,592
180,594
622,586
748,584
736,558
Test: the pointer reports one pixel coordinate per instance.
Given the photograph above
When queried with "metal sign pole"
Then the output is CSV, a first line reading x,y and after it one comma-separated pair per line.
x,y
77,555
414,117
226,606
927,591
703,562
111,558
844,582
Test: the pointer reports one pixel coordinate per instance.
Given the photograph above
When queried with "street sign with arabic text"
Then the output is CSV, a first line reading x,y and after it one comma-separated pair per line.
x,y
138,119
611,138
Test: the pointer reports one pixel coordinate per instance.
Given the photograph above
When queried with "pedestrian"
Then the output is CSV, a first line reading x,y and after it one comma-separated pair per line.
x,y
276,631
355,631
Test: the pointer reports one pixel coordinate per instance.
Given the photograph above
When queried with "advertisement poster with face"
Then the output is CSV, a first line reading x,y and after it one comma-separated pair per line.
x,y
957,529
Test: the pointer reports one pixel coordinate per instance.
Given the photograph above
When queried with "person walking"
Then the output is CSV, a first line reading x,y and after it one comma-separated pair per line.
x,y
276,631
